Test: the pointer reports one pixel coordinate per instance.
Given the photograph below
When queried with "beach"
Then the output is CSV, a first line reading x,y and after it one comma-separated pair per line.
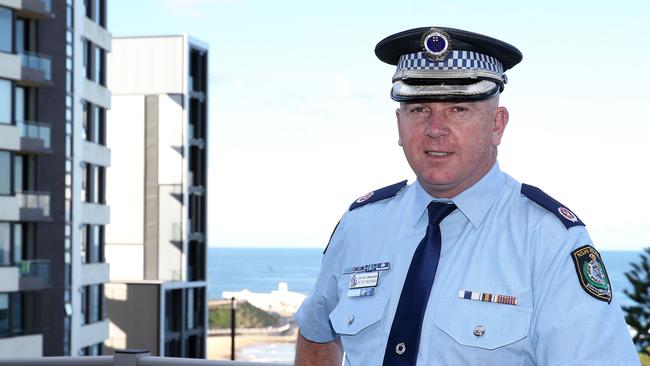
x,y
218,347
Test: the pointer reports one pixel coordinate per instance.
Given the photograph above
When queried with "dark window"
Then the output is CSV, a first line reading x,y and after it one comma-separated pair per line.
x,y
92,307
84,243
173,307
96,11
196,261
6,102
94,123
85,182
5,172
6,30
94,350
4,315
5,243
92,243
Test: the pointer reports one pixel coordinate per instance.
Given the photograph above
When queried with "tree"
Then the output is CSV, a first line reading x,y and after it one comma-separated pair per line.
x,y
638,315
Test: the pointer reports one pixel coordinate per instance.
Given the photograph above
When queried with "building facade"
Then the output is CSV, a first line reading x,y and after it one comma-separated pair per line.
x,y
53,157
156,241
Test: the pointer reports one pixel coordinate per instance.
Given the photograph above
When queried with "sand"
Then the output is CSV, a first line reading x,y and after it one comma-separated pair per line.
x,y
218,347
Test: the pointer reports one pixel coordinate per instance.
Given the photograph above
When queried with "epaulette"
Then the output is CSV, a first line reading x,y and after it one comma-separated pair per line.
x,y
378,195
568,218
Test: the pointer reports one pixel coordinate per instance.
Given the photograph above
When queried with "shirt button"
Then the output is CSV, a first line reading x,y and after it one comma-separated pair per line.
x,y
350,319
479,330
400,348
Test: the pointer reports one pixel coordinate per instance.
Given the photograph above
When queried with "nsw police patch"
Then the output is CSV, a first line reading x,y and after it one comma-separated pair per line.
x,y
592,273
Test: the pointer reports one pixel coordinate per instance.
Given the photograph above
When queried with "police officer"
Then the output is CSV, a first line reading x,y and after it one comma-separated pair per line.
x,y
464,266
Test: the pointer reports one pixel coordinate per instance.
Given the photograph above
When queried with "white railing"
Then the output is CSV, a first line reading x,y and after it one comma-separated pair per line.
x,y
28,199
37,61
35,130
124,358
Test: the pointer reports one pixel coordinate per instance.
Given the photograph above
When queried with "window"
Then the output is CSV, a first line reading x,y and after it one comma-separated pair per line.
x,y
5,172
92,243
94,122
92,307
96,11
84,182
6,102
6,30
84,243
4,315
94,350
5,244
92,183
94,63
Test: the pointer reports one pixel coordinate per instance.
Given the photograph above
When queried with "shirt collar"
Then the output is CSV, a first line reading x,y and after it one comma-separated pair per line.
x,y
474,202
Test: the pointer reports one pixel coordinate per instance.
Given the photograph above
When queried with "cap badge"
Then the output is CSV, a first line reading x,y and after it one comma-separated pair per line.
x,y
436,44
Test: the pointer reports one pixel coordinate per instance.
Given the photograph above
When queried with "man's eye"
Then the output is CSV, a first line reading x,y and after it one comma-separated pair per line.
x,y
417,109
459,109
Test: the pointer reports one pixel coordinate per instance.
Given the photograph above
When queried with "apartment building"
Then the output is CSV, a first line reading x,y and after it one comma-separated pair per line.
x,y
53,101
156,241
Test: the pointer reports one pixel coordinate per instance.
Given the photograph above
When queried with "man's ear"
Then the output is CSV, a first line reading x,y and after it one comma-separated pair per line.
x,y
501,117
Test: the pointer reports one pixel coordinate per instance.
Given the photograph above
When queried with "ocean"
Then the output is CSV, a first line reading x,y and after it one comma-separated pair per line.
x,y
261,269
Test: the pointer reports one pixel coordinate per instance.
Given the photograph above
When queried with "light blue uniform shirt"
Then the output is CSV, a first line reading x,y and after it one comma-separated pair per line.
x,y
497,241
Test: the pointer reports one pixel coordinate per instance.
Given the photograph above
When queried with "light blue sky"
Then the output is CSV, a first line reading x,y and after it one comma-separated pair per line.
x,y
301,122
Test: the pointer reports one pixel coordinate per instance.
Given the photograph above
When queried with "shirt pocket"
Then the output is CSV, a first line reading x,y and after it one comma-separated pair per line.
x,y
497,325
352,315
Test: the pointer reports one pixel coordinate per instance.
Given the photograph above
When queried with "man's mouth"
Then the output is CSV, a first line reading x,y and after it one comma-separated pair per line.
x,y
437,153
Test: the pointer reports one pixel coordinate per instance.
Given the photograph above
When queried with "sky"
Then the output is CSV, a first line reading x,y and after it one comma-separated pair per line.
x,y
301,122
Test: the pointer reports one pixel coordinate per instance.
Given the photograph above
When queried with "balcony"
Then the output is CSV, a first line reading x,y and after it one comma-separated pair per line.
x,y
36,69
34,206
36,9
34,274
124,358
34,136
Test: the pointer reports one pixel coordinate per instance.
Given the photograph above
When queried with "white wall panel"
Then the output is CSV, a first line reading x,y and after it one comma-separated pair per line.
x,y
22,347
94,333
9,66
9,280
9,137
125,177
151,65
94,273
96,154
170,132
9,208
128,261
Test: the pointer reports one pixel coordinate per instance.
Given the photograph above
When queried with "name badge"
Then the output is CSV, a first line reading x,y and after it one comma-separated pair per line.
x,y
361,280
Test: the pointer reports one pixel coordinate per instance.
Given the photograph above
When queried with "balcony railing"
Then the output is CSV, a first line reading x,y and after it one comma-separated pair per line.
x,y
126,358
34,274
34,201
36,130
38,7
36,67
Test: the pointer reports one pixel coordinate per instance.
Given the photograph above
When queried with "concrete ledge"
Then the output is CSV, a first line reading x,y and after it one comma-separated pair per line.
x,y
94,273
22,346
96,154
9,281
9,208
96,94
9,136
93,213
93,333
15,4
10,67
96,34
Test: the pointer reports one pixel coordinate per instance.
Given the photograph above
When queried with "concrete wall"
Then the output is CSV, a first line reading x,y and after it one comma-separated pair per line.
x,y
9,280
153,65
135,313
9,137
9,210
22,347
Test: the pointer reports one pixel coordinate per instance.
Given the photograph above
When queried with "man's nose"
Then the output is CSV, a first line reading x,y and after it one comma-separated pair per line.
x,y
436,125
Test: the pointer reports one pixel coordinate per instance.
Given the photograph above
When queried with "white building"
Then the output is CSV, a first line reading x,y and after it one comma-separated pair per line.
x,y
156,242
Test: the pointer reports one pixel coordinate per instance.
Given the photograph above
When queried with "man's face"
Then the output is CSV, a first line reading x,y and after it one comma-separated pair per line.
x,y
450,145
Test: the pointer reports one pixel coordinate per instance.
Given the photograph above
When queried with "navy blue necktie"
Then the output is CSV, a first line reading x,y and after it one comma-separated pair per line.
x,y
404,338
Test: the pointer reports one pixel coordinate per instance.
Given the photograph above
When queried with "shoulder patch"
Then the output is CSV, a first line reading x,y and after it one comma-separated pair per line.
x,y
568,218
378,195
592,274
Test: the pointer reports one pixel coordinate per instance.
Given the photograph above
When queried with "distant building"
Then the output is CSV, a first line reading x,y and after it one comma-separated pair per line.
x,y
281,301
156,242
53,99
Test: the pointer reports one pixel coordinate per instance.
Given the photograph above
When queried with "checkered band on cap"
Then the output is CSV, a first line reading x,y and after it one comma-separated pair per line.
x,y
457,60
